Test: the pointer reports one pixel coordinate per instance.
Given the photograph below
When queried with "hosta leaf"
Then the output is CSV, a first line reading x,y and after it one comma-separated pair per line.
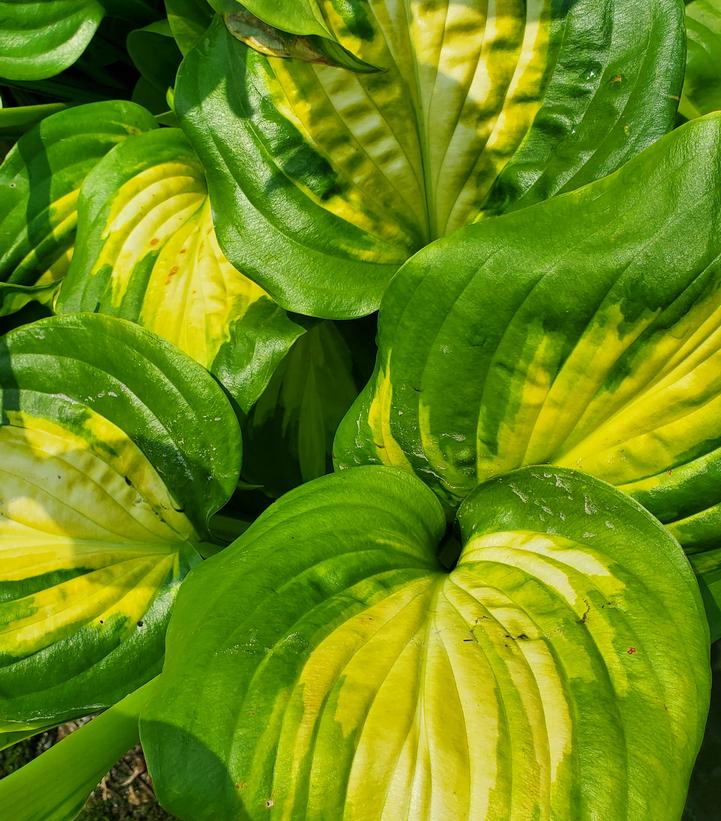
x,y
478,109
702,87
584,332
155,54
294,16
288,435
115,450
39,38
188,20
327,666
15,121
146,251
39,183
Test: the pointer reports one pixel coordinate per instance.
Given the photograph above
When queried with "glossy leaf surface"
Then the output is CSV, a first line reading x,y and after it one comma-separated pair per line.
x,y
327,666
39,39
702,87
585,332
478,109
39,183
115,450
146,251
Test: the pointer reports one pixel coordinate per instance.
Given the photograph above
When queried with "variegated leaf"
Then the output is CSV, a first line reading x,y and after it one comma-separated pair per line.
x,y
39,183
585,332
115,449
147,251
327,666
479,108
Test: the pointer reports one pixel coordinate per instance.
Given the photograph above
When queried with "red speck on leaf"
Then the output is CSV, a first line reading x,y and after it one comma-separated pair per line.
x,y
631,651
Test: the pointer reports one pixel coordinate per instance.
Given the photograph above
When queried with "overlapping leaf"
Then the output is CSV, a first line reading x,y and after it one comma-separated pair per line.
x,y
288,435
584,332
147,251
478,109
39,184
702,87
115,449
326,666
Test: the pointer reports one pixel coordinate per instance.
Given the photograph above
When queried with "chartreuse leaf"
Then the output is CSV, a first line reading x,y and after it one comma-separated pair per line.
x,y
146,251
39,38
585,332
70,770
479,108
327,666
288,434
115,450
39,183
702,87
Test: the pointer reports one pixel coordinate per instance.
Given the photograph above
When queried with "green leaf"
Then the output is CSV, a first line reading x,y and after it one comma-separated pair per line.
x,y
115,451
584,332
288,435
39,39
39,183
155,54
188,20
327,666
146,251
15,121
707,566
54,786
341,176
294,16
702,87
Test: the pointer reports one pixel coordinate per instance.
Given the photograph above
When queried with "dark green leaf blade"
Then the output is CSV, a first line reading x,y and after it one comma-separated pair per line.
x,y
288,435
39,39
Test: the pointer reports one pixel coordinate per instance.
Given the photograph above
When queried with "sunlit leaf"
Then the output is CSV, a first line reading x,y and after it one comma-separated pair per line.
x,y
146,251
39,38
115,450
327,666
477,109
585,332
39,184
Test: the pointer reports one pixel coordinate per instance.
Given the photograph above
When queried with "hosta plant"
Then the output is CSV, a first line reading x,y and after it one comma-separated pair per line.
x,y
484,585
